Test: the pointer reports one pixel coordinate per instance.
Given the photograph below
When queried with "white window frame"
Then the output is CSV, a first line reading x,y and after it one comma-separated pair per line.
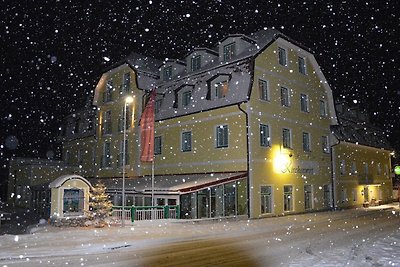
x,y
304,103
265,135
263,88
325,144
186,141
288,196
306,142
266,199
285,96
287,138
225,136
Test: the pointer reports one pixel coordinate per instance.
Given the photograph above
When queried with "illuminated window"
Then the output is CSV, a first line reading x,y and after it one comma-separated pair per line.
x,y
282,56
287,198
263,89
221,89
266,199
229,51
73,201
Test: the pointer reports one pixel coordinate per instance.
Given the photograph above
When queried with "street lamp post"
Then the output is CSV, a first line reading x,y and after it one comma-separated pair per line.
x,y
127,101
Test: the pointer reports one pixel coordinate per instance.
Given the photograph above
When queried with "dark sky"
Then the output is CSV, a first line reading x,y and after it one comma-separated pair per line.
x,y
52,52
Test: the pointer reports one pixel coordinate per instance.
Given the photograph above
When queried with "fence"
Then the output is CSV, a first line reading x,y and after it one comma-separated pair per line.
x,y
141,213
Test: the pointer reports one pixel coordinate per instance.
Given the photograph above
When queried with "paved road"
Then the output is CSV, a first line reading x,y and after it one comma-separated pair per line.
x,y
266,242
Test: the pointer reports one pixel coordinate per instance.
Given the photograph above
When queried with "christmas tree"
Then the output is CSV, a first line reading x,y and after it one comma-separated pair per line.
x,y
101,206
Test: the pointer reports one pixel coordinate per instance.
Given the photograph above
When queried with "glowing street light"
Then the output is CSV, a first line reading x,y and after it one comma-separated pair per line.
x,y
128,100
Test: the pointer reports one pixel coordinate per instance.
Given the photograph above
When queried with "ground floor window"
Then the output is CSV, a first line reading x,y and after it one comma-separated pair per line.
x,y
287,198
308,198
327,196
73,201
266,199
229,199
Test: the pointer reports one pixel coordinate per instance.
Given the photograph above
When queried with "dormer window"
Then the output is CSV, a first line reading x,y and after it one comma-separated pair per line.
x,y
186,98
157,105
229,51
167,73
196,63
221,89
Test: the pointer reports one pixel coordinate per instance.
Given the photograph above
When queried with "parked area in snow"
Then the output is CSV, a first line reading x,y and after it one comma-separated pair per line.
x,y
354,237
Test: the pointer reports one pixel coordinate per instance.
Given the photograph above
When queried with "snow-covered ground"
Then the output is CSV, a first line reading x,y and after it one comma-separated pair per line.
x,y
356,237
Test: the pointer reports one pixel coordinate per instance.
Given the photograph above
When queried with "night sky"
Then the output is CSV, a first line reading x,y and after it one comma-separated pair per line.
x,y
53,52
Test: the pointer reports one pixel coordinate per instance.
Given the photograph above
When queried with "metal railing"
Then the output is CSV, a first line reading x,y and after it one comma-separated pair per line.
x,y
141,213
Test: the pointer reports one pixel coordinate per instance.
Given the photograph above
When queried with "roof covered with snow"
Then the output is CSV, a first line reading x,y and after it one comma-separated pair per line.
x,y
355,127
64,178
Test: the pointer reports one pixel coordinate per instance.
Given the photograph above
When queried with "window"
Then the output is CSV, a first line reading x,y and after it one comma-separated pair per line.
x,y
107,96
264,90
196,63
157,105
302,65
79,156
167,73
304,106
354,194
157,145
266,199
222,136
73,201
282,56
126,82
365,168
353,168
121,153
285,98
265,139
107,125
386,170
128,122
308,197
322,108
186,98
67,158
378,169
286,138
306,142
343,195
221,89
106,158
186,144
287,198
229,51
325,144
327,196
342,167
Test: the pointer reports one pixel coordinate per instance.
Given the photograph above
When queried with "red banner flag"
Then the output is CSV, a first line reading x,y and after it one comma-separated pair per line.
x,y
147,130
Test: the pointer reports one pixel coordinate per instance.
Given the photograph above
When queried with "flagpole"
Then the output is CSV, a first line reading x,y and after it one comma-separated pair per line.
x,y
152,183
